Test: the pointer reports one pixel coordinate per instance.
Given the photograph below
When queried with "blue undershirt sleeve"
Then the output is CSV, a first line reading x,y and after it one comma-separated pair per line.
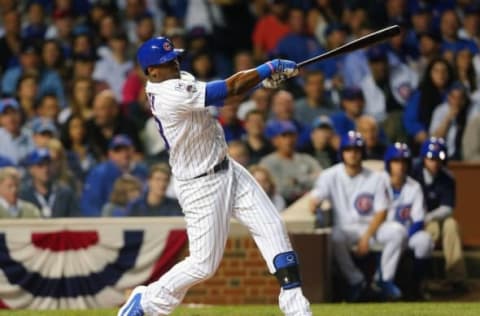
x,y
215,93
415,227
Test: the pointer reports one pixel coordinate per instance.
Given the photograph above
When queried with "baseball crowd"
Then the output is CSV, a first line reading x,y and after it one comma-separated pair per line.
x,y
77,137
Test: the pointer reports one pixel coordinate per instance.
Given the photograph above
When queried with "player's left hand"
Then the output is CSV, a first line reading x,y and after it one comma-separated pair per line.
x,y
284,67
363,246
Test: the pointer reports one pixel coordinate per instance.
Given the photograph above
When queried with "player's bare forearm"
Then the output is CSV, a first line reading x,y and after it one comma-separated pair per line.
x,y
242,82
377,220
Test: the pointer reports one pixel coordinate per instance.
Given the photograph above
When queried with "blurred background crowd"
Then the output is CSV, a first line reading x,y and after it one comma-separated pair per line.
x,y
77,137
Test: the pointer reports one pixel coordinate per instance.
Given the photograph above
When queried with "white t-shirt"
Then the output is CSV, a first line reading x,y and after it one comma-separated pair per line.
x,y
194,137
354,199
408,206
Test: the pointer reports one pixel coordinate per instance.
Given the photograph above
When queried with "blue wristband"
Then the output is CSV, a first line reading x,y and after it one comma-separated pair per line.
x,y
265,70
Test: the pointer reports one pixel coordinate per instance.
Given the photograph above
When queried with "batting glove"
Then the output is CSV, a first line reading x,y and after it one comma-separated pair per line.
x,y
286,68
273,82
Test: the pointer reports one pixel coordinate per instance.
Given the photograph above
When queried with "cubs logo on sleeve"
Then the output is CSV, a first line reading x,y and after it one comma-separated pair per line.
x,y
364,204
402,213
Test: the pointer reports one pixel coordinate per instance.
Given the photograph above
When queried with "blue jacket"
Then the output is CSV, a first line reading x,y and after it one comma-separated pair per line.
x,y
140,207
99,184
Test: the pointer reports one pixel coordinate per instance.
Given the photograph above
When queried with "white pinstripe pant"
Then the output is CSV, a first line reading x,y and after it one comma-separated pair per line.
x,y
208,203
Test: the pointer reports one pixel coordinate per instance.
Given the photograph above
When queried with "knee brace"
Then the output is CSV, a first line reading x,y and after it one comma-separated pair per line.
x,y
287,272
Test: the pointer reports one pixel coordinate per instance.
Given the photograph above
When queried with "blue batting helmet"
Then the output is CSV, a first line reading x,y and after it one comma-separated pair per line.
x,y
352,139
396,151
156,51
434,148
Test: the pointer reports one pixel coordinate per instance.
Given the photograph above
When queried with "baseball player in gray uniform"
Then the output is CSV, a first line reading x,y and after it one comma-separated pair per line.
x,y
211,187
360,202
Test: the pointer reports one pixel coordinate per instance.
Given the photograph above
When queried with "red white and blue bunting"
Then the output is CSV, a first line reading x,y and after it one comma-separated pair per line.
x,y
71,266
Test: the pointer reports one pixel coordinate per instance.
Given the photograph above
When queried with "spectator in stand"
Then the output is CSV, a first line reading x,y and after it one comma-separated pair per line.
x,y
203,67
368,128
11,206
283,110
270,29
238,151
471,141
82,43
257,145
336,36
430,93
43,131
126,189
49,81
99,182
321,14
438,187
264,178
293,172
10,42
144,29
154,201
421,21
352,106
316,101
74,139
15,141
322,142
81,100
471,24
243,60
60,168
465,69
259,100
428,49
108,121
27,89
134,99
48,108
386,90
107,27
61,29
232,127
114,65
52,57
449,27
451,117
52,197
35,28
298,45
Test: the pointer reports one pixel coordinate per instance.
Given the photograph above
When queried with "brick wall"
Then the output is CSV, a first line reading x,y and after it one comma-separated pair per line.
x,y
242,278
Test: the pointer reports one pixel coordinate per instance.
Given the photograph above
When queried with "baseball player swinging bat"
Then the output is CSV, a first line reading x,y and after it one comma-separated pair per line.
x,y
359,43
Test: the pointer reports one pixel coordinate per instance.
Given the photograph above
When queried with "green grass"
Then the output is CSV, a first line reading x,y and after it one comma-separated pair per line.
x,y
392,309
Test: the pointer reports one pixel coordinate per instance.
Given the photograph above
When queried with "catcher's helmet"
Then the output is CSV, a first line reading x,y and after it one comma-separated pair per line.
x,y
434,148
156,51
352,139
396,151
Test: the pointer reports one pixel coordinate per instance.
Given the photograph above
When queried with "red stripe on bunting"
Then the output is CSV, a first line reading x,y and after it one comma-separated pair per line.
x,y
65,240
3,305
176,240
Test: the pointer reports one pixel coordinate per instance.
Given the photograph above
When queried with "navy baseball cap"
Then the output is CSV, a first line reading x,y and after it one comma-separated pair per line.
x,y
457,85
37,156
377,53
8,103
276,127
120,140
419,7
352,93
332,27
322,121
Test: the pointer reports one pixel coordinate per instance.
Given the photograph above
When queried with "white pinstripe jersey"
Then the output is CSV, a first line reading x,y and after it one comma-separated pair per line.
x,y
193,136
354,199
407,207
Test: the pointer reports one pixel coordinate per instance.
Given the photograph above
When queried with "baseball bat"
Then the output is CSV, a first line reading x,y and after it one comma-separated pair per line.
x,y
361,42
